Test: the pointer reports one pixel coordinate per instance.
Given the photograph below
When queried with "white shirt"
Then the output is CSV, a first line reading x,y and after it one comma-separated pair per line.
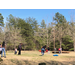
x,y
16,50
60,48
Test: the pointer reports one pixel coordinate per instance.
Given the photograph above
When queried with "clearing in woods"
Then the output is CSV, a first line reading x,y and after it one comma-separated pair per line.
x,y
35,58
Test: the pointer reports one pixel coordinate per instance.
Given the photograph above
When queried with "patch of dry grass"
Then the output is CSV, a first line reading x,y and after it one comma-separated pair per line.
x,y
35,58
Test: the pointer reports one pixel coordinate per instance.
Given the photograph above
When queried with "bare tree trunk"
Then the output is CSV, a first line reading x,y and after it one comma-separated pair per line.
x,y
60,45
47,38
24,47
74,46
54,41
54,38
14,39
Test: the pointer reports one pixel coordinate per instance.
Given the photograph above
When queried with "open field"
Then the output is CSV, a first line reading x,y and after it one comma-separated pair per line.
x,y
35,58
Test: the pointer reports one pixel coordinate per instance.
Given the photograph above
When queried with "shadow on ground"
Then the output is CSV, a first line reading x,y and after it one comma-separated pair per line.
x,y
40,55
39,62
42,63
27,62
60,63
1,59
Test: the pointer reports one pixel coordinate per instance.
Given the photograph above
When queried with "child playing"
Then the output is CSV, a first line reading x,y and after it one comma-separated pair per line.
x,y
48,50
15,50
43,50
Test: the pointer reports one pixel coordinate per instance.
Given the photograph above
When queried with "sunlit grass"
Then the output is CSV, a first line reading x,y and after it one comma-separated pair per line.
x,y
35,58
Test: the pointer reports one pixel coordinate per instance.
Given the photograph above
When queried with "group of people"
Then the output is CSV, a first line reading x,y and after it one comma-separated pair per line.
x,y
19,48
2,49
44,48
60,49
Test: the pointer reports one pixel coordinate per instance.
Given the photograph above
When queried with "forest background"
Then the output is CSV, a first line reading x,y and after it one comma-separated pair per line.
x,y
58,33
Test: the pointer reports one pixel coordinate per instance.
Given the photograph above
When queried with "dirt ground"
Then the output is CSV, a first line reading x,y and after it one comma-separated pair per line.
x,y
35,58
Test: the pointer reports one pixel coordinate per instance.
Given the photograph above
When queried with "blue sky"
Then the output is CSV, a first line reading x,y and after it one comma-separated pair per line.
x,y
38,14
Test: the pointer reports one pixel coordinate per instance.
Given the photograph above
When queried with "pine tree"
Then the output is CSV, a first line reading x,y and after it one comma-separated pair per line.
x,y
43,25
1,20
61,25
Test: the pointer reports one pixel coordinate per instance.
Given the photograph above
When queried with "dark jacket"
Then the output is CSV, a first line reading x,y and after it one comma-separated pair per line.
x,y
48,49
19,47
44,47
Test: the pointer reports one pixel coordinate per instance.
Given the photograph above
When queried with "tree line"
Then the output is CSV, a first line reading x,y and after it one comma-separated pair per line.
x,y
58,33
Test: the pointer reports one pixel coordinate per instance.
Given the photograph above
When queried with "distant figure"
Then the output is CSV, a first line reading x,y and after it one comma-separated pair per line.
x,y
55,50
3,49
0,48
48,50
43,50
19,48
15,50
61,50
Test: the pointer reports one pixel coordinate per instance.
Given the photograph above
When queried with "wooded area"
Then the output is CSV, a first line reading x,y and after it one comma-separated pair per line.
x,y
58,33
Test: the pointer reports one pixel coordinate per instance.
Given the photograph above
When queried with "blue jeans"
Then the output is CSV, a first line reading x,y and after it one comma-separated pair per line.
x,y
15,52
42,51
59,52
3,49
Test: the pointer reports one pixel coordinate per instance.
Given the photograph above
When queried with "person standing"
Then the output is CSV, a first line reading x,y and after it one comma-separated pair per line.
x,y
61,50
3,49
15,50
0,49
55,50
19,48
48,50
43,50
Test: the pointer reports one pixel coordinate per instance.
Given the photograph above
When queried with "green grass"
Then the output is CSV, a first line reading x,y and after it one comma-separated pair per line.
x,y
35,58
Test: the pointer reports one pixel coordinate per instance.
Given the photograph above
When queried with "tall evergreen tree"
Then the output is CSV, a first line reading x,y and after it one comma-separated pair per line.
x,y
43,25
60,23
1,20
